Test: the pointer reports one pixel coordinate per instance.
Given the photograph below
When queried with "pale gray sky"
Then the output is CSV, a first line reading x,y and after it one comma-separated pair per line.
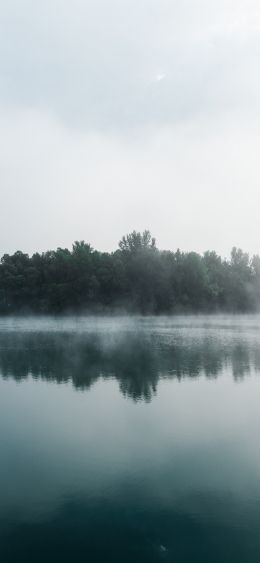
x,y
129,114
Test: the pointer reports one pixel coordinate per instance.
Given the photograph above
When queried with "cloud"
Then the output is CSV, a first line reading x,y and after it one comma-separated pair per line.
x,y
89,61
141,114
194,185
160,77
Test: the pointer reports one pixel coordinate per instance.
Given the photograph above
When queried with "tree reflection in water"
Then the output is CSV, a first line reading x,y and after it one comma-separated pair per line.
x,y
136,360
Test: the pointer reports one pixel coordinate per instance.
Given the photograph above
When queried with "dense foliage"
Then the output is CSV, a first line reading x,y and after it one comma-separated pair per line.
x,y
137,277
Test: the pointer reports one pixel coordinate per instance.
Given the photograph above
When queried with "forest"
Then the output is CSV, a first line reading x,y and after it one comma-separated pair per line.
x,y
136,278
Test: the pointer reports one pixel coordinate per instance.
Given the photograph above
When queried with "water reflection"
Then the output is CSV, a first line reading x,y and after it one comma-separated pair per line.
x,y
92,477
137,360
111,533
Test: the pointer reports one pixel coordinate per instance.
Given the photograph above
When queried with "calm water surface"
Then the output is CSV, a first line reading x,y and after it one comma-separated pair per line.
x,y
130,440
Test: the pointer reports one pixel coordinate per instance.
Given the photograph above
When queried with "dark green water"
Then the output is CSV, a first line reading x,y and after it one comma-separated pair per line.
x,y
130,440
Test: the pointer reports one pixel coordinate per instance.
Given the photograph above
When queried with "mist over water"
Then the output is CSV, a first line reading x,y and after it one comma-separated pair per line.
x,y
129,364
130,439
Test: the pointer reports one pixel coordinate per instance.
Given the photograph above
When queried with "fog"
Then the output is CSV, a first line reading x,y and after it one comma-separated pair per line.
x,y
123,391
128,116
136,352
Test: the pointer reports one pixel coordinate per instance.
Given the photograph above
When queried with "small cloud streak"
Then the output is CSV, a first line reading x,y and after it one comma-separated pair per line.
x,y
159,77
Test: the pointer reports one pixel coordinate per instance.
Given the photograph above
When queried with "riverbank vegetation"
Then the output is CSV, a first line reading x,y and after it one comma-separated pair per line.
x,y
137,277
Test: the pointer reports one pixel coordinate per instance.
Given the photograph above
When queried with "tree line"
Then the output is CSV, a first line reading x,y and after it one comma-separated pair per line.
x,y
137,277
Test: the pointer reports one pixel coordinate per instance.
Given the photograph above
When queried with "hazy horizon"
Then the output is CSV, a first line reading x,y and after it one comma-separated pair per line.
x,y
135,115
227,256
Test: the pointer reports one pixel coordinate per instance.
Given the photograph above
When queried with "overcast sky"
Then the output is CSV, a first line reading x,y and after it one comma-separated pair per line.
x,y
130,114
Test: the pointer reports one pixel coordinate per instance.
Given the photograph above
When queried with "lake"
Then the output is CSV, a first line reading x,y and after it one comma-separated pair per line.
x,y
130,440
